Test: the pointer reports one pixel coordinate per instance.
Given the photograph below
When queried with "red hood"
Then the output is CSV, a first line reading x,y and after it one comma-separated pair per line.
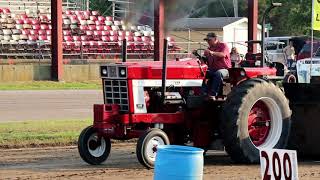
x,y
183,69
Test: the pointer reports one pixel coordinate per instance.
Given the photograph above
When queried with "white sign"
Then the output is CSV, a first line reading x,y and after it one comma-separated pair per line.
x,y
304,67
278,164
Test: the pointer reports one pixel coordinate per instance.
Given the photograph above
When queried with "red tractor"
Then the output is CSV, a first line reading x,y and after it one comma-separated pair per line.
x,y
160,103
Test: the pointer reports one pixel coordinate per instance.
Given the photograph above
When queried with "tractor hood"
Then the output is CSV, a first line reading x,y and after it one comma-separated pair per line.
x,y
183,69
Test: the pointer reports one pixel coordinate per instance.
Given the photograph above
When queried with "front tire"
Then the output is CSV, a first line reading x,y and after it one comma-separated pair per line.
x,y
290,77
255,116
91,149
147,146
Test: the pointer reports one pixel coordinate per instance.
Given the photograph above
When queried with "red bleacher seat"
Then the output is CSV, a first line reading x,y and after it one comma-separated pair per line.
x,y
92,27
25,31
105,38
99,23
19,21
68,12
89,33
36,27
6,11
129,38
27,21
93,18
108,18
78,13
67,38
100,28
35,22
44,18
113,33
43,37
84,38
81,17
44,26
33,31
33,37
86,13
129,33
42,32
95,13
84,27
101,18
107,28
66,32
97,33
105,33
113,38
76,38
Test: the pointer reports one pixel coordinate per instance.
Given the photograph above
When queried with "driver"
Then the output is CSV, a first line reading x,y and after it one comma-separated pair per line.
x,y
218,63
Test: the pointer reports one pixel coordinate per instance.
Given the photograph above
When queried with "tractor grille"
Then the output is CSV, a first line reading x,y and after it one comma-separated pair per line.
x,y
116,92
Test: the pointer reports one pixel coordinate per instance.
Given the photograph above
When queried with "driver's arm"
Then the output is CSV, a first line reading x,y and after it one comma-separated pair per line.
x,y
218,54
221,52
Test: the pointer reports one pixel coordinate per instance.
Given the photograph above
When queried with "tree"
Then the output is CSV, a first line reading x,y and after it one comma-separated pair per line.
x,y
293,18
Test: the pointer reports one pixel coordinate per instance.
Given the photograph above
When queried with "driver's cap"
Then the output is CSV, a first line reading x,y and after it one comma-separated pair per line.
x,y
210,36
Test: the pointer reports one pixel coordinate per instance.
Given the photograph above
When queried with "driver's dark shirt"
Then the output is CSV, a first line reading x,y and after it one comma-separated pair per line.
x,y
215,63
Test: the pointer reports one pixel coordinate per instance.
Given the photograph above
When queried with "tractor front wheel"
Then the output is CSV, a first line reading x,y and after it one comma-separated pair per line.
x,y
147,146
255,116
92,148
290,77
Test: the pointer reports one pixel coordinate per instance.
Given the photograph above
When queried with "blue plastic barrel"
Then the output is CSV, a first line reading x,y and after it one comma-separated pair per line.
x,y
178,163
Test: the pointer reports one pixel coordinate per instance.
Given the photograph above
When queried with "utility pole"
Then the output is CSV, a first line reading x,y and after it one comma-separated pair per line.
x,y
235,8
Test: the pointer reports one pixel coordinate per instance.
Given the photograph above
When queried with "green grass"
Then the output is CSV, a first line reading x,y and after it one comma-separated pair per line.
x,y
49,85
41,133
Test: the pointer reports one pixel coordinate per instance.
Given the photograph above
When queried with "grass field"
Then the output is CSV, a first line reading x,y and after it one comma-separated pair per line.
x,y
41,133
49,85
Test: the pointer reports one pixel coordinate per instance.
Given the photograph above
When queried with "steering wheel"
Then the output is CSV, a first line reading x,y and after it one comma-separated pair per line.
x,y
199,53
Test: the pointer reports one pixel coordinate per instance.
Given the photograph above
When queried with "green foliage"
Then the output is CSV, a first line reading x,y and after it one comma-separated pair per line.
x,y
103,6
293,18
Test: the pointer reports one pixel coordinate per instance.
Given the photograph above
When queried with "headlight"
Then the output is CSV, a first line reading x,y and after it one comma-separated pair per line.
x,y
104,71
122,72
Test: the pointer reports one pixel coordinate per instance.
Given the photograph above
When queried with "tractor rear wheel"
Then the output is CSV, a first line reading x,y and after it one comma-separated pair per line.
x,y
255,116
92,149
147,146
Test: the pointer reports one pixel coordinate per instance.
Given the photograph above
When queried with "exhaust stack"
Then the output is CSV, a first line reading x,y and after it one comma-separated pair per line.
x,y
164,70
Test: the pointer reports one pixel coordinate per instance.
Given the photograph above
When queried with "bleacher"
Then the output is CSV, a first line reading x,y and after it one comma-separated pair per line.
x,y
86,35
33,6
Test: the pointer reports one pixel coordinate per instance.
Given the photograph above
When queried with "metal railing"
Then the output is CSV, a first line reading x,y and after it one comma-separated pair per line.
x,y
22,6
40,51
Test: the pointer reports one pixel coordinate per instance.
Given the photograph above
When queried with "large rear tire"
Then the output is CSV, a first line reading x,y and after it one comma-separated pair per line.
x,y
92,149
255,116
147,146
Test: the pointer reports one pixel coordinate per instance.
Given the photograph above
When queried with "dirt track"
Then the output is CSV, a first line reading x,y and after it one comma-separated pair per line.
x,y
48,104
65,163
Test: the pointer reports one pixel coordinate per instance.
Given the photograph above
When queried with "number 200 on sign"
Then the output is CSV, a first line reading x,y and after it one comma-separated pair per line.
x,y
277,164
